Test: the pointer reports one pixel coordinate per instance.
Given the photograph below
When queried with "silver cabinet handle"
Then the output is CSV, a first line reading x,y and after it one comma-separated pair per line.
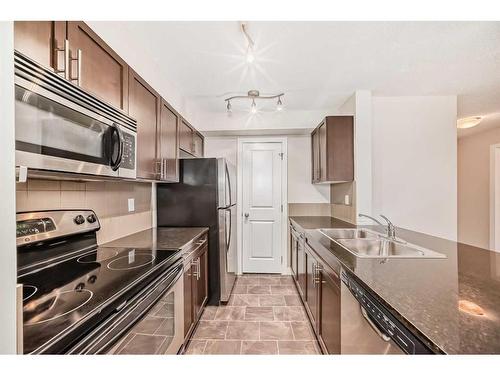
x,y
78,60
196,262
65,50
382,335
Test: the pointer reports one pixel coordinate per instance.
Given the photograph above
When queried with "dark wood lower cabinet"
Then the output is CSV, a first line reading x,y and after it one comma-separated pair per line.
x,y
293,252
319,288
195,288
329,311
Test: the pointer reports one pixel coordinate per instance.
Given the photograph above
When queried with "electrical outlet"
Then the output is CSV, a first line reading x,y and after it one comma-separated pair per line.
x,y
131,205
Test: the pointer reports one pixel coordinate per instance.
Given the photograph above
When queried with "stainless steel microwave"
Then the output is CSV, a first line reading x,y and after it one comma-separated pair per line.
x,y
62,128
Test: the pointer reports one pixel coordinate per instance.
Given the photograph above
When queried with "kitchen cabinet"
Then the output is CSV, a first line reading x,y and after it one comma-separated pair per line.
x,y
190,141
294,239
311,285
328,324
301,268
144,105
98,68
332,150
42,41
195,285
168,143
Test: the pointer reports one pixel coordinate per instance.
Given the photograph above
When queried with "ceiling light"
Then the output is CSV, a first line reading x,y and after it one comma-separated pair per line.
x,y
255,95
253,109
250,57
469,122
279,105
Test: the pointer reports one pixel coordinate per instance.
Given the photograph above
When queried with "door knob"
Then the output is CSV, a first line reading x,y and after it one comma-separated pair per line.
x,y
247,215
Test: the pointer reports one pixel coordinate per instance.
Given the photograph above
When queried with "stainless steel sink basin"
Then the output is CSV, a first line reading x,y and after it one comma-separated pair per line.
x,y
349,233
365,243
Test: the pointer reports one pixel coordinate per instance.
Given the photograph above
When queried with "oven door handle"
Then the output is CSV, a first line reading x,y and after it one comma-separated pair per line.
x,y
118,324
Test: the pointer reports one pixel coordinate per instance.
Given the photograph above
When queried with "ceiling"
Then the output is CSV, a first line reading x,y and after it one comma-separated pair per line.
x,y
318,65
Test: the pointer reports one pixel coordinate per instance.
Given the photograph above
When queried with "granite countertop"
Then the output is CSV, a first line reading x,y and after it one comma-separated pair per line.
x,y
425,293
160,238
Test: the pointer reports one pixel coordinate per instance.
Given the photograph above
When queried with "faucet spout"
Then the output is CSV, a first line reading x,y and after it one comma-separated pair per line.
x,y
390,228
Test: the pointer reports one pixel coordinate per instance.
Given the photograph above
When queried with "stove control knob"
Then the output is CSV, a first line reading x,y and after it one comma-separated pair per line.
x,y
79,220
91,218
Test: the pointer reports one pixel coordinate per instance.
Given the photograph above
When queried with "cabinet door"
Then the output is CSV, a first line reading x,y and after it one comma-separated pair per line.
x,y
188,299
311,285
39,40
301,269
197,145
103,72
186,137
168,140
315,169
144,106
329,311
201,285
293,253
322,153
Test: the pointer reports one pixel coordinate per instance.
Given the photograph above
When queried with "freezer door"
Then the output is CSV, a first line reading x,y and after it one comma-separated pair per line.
x,y
227,251
226,180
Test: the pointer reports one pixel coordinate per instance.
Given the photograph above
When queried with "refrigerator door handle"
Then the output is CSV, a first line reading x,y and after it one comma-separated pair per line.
x,y
228,245
230,195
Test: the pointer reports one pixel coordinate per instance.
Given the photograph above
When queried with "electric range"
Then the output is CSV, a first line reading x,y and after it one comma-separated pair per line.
x,y
72,286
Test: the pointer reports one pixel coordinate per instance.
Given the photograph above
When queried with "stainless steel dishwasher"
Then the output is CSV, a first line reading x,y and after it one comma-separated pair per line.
x,y
369,328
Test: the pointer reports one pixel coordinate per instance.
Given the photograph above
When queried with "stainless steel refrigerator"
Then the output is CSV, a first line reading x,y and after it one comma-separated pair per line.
x,y
206,197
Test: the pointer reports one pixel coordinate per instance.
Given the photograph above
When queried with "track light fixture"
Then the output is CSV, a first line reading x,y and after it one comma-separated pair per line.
x,y
254,95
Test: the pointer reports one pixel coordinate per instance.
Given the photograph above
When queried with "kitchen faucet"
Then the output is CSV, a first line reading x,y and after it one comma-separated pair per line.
x,y
391,229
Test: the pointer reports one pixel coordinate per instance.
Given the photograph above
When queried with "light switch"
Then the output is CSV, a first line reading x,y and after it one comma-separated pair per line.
x,y
131,205
347,200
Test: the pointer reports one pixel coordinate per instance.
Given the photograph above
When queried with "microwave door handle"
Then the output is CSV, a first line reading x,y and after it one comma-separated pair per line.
x,y
115,165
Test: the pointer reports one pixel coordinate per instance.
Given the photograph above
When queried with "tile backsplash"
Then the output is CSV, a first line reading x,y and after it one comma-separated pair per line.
x,y
109,200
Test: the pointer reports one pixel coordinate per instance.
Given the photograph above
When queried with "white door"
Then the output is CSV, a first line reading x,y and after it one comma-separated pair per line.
x,y
261,206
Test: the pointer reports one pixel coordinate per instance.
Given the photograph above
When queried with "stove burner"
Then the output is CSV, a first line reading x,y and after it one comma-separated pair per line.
x,y
55,306
92,257
131,261
28,291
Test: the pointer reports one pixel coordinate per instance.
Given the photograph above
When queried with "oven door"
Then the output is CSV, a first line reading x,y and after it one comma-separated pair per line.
x,y
151,323
56,134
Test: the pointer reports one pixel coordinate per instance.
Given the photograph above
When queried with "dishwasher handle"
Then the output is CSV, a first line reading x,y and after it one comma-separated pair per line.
x,y
382,335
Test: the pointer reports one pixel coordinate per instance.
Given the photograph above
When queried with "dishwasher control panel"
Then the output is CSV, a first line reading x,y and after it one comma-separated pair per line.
x,y
384,320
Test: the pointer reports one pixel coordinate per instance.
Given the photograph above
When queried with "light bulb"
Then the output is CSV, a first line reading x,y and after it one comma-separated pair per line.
x,y
250,56
253,109
279,105
228,106
469,122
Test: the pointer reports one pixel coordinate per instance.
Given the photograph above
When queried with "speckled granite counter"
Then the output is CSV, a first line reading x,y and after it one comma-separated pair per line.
x,y
425,293
161,238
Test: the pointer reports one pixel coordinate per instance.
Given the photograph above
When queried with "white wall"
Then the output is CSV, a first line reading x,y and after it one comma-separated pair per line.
x,y
414,162
8,265
300,188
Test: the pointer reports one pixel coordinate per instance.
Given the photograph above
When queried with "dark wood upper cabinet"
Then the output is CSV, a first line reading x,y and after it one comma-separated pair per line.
x,y
329,310
332,144
198,145
98,69
168,138
42,41
191,142
144,105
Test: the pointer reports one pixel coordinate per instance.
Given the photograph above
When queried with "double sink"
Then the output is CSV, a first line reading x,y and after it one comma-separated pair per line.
x,y
365,243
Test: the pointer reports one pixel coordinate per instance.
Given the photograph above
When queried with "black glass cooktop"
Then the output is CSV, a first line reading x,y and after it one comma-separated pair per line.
x,y
66,299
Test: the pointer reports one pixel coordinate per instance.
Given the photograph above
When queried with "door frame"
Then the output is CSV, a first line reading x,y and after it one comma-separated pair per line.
x,y
285,270
494,198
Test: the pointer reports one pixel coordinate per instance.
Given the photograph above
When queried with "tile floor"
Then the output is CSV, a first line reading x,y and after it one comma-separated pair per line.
x,y
264,316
